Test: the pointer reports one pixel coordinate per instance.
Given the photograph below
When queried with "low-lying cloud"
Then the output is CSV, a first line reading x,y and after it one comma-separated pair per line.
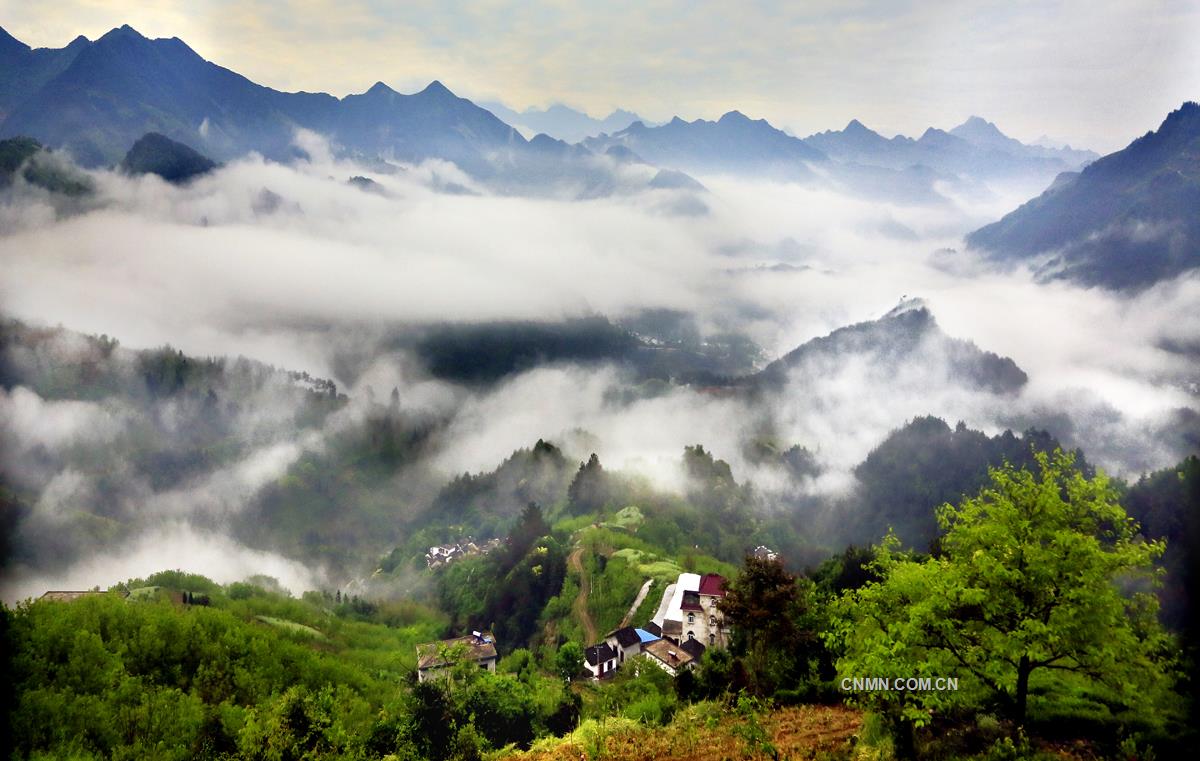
x,y
294,266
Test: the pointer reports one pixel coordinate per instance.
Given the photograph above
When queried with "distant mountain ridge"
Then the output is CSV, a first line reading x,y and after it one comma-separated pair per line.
x,y
97,98
562,122
976,148
733,143
1126,221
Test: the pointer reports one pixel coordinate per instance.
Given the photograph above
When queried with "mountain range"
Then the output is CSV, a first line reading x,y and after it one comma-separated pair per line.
x,y
96,98
855,160
975,148
562,122
1126,221
734,143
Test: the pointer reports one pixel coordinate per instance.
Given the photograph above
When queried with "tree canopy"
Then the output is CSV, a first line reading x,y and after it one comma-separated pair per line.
x,y
1042,586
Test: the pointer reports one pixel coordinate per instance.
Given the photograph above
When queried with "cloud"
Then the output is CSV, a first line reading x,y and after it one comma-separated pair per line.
x,y
329,279
177,545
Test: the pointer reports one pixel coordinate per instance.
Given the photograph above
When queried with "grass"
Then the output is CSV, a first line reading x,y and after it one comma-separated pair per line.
x,y
650,565
627,518
292,626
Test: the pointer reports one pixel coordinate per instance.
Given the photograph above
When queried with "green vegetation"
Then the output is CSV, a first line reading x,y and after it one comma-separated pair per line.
x,y
173,161
26,159
1039,602
142,676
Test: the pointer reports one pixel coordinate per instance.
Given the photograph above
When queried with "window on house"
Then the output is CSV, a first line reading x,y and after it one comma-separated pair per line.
x,y
691,618
691,635
712,620
712,639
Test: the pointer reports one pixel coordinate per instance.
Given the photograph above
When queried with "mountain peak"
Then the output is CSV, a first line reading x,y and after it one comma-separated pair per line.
x,y
123,31
977,126
908,304
1189,110
856,126
436,88
733,116
379,88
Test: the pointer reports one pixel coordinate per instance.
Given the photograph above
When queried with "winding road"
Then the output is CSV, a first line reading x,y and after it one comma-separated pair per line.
x,y
580,606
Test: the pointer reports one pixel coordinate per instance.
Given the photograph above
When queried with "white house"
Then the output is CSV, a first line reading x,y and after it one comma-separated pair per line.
x,y
689,610
625,641
600,660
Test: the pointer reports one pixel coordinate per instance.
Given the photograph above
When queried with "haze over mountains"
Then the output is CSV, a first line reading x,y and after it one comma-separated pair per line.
x,y
562,122
97,98
1127,220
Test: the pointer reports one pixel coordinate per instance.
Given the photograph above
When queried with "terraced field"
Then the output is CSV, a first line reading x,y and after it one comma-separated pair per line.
x,y
803,732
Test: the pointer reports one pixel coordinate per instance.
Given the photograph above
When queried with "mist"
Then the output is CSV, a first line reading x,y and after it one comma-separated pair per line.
x,y
292,266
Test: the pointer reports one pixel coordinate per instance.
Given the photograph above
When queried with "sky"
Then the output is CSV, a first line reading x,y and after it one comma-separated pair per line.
x,y
1095,74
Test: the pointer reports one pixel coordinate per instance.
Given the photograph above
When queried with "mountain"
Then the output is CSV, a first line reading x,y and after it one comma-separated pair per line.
x,y
1126,221
562,122
734,143
976,148
124,85
24,70
26,159
984,134
925,464
174,162
908,335
95,99
856,142
112,91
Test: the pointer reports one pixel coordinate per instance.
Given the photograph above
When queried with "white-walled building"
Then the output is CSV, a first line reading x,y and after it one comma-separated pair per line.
x,y
600,660
690,611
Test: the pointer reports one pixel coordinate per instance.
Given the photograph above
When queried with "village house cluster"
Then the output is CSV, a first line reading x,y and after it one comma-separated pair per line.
x,y
687,623
443,554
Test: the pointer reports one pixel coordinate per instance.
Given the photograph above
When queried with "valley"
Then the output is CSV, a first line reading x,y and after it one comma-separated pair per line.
x,y
416,422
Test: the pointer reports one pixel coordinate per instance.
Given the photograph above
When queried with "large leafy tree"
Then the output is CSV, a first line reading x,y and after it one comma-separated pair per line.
x,y
1042,582
774,619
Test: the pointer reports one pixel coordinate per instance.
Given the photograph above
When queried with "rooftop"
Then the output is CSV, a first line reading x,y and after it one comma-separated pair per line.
x,y
477,646
672,655
60,595
597,654
626,636
712,584
693,647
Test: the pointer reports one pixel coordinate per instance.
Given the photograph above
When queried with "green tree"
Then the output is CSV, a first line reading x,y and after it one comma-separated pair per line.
x,y
569,660
773,616
1034,587
591,488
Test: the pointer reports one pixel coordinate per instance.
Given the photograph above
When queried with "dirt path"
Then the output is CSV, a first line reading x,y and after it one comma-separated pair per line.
x,y
637,601
579,607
